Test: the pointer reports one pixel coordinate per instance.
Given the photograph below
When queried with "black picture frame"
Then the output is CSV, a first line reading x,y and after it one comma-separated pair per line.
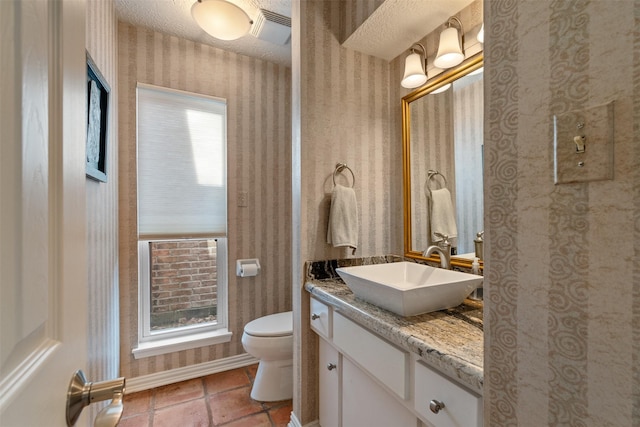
x,y
98,91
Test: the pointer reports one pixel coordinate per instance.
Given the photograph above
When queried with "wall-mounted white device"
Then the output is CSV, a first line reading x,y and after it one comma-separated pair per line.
x,y
247,267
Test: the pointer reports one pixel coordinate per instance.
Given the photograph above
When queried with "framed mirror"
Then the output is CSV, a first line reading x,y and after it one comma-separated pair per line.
x,y
442,137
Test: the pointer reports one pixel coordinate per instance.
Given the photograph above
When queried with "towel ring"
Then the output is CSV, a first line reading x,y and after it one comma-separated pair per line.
x,y
432,174
339,168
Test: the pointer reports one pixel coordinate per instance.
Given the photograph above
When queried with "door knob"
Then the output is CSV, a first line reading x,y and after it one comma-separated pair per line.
x,y
315,316
111,414
331,366
82,393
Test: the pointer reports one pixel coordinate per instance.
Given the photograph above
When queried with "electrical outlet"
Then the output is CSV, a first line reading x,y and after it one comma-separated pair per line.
x,y
243,199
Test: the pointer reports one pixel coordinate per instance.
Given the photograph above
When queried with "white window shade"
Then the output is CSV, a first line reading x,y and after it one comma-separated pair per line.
x,y
181,164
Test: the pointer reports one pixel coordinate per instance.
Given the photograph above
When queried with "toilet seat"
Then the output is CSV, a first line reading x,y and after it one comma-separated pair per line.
x,y
274,325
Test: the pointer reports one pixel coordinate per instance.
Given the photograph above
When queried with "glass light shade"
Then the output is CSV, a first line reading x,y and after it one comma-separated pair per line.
x,y
221,19
440,89
476,72
481,34
449,51
414,75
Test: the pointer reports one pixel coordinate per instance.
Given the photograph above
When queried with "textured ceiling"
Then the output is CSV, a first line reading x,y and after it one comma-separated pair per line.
x,y
388,32
397,24
174,17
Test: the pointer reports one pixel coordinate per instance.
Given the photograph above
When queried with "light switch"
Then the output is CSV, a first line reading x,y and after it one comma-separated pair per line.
x,y
583,145
243,199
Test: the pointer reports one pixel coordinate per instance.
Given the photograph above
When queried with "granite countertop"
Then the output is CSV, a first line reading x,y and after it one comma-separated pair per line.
x,y
449,340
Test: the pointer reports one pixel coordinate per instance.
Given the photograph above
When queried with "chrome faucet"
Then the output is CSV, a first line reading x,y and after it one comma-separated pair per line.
x,y
443,248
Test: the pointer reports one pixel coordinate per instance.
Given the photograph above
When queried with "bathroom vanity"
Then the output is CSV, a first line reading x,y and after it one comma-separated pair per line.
x,y
380,369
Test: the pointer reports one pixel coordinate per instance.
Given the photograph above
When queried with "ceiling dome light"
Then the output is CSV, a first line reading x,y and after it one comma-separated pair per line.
x,y
221,19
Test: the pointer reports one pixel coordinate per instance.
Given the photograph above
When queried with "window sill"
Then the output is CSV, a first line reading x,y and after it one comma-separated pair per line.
x,y
187,342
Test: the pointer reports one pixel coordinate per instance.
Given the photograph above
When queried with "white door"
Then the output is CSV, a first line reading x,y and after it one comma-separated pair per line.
x,y
43,295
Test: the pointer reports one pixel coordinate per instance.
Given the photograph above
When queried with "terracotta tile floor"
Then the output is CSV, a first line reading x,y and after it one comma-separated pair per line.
x,y
216,400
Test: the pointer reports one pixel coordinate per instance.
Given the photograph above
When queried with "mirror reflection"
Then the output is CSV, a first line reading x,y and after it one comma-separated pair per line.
x,y
443,157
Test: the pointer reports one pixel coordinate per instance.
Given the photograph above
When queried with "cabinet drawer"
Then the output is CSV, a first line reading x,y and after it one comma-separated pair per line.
x,y
461,407
320,317
384,361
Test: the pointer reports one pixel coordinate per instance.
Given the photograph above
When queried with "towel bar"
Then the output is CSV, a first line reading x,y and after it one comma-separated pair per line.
x,y
339,168
432,174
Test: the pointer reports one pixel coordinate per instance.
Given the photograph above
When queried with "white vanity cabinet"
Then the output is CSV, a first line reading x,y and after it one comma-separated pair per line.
x,y
442,402
366,381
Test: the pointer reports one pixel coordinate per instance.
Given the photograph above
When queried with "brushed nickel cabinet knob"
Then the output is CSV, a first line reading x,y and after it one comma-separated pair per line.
x,y
436,406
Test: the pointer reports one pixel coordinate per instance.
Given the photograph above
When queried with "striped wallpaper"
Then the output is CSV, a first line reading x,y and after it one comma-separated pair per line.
x,y
555,306
258,97
102,212
446,135
468,119
344,117
354,13
346,108
432,147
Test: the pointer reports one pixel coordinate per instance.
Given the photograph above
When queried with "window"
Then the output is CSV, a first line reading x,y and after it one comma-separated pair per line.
x,y
182,220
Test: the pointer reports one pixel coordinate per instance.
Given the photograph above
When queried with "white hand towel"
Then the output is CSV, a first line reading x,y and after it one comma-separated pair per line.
x,y
343,218
443,218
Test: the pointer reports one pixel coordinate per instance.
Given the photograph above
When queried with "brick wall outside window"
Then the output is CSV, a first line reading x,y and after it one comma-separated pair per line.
x,y
183,282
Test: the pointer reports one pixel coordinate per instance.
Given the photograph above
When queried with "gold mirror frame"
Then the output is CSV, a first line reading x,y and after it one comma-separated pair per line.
x,y
471,64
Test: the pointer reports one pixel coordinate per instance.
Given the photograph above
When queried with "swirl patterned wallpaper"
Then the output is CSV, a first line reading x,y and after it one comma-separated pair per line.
x,y
562,298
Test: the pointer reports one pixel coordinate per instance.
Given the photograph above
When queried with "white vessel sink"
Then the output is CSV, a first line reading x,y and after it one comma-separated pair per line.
x,y
408,288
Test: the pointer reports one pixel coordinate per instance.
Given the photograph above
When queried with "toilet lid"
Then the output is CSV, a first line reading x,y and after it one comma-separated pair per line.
x,y
274,325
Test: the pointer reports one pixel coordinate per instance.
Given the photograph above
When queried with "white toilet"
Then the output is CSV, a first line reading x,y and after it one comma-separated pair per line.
x,y
270,339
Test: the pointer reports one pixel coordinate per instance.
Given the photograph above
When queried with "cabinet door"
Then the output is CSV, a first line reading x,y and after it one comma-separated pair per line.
x,y
384,361
365,403
329,384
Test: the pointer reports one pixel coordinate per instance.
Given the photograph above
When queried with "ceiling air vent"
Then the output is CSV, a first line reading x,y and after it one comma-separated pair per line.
x,y
271,27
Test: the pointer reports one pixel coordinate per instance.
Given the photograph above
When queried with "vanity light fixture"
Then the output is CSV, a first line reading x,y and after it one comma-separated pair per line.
x,y
480,35
414,68
221,19
440,89
450,51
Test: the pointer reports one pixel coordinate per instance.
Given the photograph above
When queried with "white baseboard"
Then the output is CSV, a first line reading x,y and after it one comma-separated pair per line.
x,y
146,382
293,422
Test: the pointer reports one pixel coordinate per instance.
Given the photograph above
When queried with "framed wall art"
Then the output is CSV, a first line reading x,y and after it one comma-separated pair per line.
x,y
97,122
